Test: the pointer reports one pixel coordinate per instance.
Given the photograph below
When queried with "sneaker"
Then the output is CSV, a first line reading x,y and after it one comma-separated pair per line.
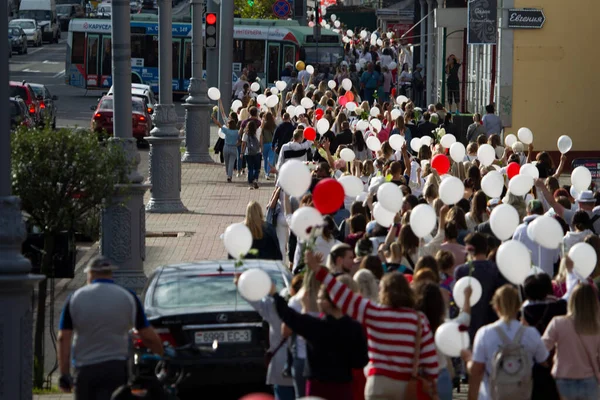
x,y
267,176
255,185
228,180
238,174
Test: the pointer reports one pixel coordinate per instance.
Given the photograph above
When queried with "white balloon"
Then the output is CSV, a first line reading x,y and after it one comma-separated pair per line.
x,y
347,84
363,34
351,106
395,114
331,84
353,185
401,99
415,144
237,240
376,124
422,220
214,93
525,135
379,42
389,35
375,112
520,184
547,232
261,99
349,33
272,101
390,197
573,192
448,140
294,178
531,229
274,90
362,125
307,103
310,69
450,340
514,261
221,133
255,87
347,155
458,292
581,178
291,110
281,85
509,140
304,218
564,144
383,217
362,197
504,219
457,151
397,141
584,259
337,24
333,17
518,147
299,111
530,170
392,66
236,105
492,184
373,143
452,190
254,284
322,126
486,155
426,141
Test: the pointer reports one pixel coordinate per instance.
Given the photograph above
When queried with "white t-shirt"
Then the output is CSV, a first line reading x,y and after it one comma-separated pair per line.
x,y
487,343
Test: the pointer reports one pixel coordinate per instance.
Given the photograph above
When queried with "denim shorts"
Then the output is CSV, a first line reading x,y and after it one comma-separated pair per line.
x,y
578,389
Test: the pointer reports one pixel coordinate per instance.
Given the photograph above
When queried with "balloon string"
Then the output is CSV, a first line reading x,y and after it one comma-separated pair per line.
x,y
539,258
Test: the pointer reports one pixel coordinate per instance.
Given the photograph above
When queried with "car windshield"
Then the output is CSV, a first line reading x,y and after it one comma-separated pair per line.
x,y
24,24
64,9
107,104
14,109
14,32
185,290
38,15
18,91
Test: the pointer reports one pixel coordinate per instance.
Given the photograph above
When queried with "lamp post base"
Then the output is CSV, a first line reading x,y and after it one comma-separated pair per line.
x,y
197,124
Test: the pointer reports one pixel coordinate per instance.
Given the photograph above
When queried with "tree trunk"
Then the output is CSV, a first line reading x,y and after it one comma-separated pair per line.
x,y
40,323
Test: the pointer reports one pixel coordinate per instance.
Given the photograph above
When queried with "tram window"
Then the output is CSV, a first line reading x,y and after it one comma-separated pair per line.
x,y
78,50
92,58
254,54
289,54
145,47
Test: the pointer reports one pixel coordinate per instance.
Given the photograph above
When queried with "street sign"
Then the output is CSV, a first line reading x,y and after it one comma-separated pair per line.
x,y
282,8
526,18
482,21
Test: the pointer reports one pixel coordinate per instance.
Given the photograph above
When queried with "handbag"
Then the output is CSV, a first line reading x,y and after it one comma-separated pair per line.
x,y
269,354
420,387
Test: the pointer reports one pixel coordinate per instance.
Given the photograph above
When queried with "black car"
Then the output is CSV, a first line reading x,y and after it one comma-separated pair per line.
x,y
47,104
199,303
19,115
18,39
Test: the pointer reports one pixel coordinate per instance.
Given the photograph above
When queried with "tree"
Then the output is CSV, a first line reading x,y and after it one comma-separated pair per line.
x,y
61,176
258,9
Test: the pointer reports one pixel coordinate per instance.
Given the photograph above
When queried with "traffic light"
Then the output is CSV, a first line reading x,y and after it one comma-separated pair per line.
x,y
212,31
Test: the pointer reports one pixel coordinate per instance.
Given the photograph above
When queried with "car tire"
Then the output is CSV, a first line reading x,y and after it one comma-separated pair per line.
x,y
19,52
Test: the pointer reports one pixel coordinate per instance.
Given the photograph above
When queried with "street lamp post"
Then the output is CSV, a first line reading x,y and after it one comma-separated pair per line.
x,y
16,283
124,220
197,107
430,54
165,142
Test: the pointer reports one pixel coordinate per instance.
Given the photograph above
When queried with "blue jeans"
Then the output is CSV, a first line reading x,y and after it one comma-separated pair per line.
x,y
284,392
298,375
444,385
578,389
369,95
268,155
230,154
253,162
241,161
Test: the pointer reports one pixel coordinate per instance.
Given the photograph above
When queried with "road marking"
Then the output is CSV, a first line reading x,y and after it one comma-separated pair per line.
x,y
50,62
58,75
31,70
30,52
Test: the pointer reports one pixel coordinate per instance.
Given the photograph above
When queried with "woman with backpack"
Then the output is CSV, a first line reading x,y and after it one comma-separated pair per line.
x,y
251,148
501,364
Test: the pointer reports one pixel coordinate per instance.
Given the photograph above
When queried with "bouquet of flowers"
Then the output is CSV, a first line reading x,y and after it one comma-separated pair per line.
x,y
439,133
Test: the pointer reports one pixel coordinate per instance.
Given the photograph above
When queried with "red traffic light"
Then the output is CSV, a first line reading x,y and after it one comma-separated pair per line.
x,y
211,18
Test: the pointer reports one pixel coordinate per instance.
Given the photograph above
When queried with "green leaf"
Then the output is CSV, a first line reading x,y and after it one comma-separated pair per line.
x,y
253,252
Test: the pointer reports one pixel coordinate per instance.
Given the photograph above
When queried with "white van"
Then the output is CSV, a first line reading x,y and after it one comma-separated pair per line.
x,y
44,12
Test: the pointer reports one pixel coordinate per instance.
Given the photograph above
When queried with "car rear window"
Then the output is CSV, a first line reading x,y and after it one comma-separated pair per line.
x,y
18,91
184,290
38,90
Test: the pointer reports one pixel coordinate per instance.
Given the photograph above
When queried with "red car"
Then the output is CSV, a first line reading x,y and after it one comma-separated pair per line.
x,y
25,92
102,120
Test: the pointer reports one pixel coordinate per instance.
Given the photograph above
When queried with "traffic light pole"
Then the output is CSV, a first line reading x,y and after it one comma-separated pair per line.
x,y
226,52
212,54
197,107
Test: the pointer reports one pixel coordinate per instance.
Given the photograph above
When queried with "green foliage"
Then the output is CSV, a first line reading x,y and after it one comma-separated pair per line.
x,y
63,176
258,9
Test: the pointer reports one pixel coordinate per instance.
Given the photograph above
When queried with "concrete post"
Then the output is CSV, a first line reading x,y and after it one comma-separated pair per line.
x,y
422,29
430,93
226,52
197,107
165,142
212,55
16,283
123,221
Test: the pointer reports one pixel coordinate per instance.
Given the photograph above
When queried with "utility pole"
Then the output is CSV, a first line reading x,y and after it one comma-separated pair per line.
x,y
226,52
212,55
165,142
16,283
197,107
429,94
124,221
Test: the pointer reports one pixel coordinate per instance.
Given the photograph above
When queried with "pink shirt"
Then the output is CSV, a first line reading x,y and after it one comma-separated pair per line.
x,y
573,351
460,254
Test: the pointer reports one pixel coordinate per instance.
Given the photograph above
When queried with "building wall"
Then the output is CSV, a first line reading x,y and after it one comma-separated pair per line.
x,y
555,79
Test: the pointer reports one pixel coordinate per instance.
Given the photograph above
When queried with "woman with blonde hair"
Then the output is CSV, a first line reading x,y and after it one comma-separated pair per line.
x,y
576,338
264,238
368,286
339,120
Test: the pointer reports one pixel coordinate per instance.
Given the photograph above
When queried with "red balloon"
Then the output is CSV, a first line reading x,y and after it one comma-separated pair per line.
x,y
440,163
319,112
343,100
258,396
310,133
328,196
513,169
349,96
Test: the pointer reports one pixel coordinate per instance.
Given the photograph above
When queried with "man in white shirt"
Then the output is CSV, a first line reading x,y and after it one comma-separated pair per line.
x,y
294,149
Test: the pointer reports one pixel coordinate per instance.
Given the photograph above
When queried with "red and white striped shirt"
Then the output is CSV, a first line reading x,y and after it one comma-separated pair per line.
x,y
391,332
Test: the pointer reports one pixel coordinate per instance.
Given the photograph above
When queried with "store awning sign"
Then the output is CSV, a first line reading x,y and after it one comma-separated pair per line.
x,y
482,24
526,18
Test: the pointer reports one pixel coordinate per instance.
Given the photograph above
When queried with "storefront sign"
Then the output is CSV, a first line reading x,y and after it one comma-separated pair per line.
x,y
526,18
592,164
482,23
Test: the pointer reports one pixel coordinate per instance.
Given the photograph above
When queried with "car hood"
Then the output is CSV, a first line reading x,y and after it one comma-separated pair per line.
x,y
29,31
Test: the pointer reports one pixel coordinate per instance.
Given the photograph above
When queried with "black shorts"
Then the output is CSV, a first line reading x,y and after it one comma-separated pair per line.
x,y
453,94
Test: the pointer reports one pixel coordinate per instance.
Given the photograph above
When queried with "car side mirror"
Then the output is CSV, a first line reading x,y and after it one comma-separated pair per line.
x,y
104,93
54,97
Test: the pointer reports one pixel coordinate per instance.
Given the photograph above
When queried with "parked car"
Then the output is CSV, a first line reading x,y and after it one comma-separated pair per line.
x,y
200,303
102,120
25,92
104,10
31,29
134,6
19,115
143,92
66,12
18,40
47,104
148,7
44,12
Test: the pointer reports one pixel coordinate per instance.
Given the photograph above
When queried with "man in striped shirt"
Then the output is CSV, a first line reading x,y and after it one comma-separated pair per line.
x,y
391,326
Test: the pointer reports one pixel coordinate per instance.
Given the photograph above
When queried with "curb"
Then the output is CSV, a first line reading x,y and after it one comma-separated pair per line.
x,y
63,284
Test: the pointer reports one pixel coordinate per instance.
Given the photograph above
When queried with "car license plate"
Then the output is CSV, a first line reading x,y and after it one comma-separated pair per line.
x,y
237,336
